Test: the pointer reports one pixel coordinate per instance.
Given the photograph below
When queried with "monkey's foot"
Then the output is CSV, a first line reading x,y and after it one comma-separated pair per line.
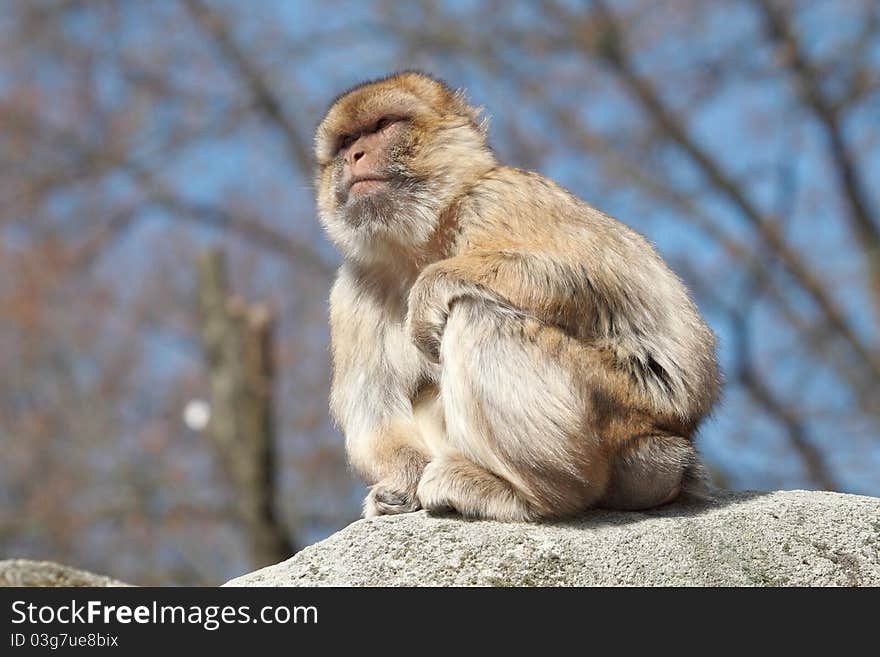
x,y
456,484
383,500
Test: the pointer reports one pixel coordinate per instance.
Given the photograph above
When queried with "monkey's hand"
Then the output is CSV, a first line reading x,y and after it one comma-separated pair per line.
x,y
433,295
427,311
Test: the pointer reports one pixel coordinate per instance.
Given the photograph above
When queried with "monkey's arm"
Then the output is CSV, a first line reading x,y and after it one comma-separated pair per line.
x,y
521,282
376,371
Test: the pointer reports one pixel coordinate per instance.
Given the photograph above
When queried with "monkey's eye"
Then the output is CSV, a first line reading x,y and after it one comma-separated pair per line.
x,y
383,123
344,142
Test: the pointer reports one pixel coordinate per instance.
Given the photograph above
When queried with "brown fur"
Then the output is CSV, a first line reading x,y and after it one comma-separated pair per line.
x,y
499,346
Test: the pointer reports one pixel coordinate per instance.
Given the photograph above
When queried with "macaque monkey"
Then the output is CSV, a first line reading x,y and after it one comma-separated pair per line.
x,y
500,348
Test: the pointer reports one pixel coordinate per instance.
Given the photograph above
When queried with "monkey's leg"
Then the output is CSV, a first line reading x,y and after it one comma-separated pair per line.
x,y
649,471
514,417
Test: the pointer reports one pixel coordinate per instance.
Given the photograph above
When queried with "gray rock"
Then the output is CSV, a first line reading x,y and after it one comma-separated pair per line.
x,y
790,538
23,572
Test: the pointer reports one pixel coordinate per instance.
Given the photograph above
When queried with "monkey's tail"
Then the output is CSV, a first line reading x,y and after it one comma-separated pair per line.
x,y
695,482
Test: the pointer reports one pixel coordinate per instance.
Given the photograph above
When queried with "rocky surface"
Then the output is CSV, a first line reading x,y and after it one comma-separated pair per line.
x,y
23,572
787,538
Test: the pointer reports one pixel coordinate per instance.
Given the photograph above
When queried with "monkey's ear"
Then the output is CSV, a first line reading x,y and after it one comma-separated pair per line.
x,y
474,113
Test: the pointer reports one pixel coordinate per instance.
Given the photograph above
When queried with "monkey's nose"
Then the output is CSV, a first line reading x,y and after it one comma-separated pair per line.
x,y
357,155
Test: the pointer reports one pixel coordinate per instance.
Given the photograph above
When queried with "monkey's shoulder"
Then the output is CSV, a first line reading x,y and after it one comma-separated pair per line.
x,y
516,204
505,185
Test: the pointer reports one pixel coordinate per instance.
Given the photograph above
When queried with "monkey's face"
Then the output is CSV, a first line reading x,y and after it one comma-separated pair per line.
x,y
391,156
370,175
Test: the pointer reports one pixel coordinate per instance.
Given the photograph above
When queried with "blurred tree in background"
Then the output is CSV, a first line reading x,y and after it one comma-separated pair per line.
x,y
742,137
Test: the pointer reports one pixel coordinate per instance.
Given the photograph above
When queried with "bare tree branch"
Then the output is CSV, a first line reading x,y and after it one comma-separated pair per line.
x,y
256,233
815,333
759,390
266,98
612,50
865,226
753,382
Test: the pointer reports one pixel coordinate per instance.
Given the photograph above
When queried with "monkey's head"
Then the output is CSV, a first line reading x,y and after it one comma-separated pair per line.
x,y
392,155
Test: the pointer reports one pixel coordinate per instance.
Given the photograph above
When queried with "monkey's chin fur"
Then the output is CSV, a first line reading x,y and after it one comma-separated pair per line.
x,y
399,214
371,206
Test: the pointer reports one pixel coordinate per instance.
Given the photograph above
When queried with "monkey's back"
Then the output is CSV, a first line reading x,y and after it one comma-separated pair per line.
x,y
596,278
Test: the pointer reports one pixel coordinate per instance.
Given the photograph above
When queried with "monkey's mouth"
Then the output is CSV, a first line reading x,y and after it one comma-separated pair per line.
x,y
366,185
